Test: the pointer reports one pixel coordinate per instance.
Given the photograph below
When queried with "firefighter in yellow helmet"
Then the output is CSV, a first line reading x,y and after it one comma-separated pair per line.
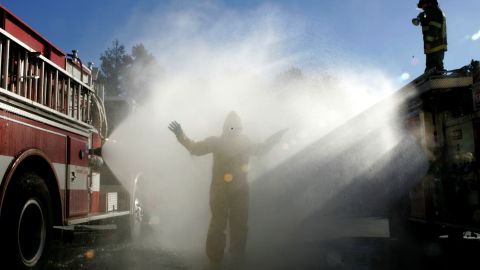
x,y
229,195
434,29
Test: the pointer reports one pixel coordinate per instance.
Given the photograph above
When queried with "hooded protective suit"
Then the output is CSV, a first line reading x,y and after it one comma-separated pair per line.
x,y
229,195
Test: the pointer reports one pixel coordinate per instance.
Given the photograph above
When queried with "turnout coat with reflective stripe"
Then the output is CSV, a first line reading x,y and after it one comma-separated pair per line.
x,y
434,30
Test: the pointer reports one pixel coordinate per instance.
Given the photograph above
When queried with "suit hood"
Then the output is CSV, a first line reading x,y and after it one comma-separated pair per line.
x,y
232,125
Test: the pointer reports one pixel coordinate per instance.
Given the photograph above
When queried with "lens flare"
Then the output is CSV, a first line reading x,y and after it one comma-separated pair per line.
x,y
228,178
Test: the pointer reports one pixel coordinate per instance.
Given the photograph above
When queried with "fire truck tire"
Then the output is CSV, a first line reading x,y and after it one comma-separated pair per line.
x,y
28,223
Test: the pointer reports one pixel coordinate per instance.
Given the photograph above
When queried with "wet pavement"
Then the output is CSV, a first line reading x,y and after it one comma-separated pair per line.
x,y
384,253
352,252
101,253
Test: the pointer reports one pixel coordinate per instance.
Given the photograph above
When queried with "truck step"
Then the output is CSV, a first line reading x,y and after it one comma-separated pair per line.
x,y
86,228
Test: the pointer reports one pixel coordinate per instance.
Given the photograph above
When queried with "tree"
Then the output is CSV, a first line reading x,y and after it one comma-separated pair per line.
x,y
142,73
131,75
115,62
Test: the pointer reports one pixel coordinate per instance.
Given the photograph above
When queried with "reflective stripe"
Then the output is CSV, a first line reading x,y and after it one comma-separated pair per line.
x,y
434,40
58,167
61,171
4,163
77,177
436,24
31,126
437,49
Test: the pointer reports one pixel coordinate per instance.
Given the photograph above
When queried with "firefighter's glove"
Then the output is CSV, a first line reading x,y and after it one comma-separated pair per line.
x,y
415,21
176,129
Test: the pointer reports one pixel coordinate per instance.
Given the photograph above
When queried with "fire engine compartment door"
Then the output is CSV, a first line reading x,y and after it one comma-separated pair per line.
x,y
77,181
460,139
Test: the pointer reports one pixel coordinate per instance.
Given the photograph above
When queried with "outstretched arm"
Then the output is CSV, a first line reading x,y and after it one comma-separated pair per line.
x,y
270,142
176,128
195,148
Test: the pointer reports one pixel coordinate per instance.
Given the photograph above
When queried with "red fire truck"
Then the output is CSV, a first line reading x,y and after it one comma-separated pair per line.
x,y
52,125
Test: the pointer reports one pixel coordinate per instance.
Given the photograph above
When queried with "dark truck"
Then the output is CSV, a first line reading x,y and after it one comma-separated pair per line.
x,y
425,185
443,113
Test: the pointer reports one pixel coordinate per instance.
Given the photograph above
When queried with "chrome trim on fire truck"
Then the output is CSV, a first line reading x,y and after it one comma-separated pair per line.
x,y
39,118
97,217
25,46
32,126
43,108
87,228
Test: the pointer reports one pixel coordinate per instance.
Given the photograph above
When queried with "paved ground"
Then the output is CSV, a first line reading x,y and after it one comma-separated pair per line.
x,y
100,253
383,253
372,250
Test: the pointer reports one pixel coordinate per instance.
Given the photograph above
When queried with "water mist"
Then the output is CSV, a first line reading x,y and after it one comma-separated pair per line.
x,y
213,66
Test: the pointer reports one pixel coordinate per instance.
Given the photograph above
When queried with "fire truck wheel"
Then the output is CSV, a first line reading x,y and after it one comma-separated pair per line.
x,y
28,222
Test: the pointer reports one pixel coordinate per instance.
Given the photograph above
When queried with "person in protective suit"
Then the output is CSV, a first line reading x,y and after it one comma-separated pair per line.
x,y
229,194
434,29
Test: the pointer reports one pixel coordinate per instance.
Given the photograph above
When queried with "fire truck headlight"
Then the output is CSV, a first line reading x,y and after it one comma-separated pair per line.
x,y
95,162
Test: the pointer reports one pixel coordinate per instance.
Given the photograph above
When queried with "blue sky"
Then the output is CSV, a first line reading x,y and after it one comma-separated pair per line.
x,y
378,32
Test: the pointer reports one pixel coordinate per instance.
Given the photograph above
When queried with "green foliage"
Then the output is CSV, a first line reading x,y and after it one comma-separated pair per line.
x,y
115,62
131,75
142,73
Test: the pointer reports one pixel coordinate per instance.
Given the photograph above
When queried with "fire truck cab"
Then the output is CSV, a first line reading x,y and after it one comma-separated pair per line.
x,y
443,112
52,125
